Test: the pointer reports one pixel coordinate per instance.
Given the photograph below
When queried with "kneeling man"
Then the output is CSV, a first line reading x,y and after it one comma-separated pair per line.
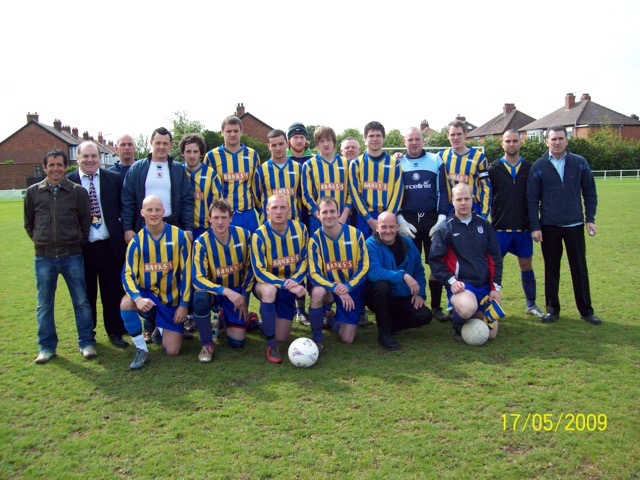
x,y
157,274
338,265
465,257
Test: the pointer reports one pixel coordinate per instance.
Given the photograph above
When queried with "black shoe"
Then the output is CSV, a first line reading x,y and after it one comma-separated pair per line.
x,y
550,317
592,319
156,337
457,334
388,342
118,341
439,315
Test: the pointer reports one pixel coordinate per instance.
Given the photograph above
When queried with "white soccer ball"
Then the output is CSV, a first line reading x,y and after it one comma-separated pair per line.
x,y
475,332
303,352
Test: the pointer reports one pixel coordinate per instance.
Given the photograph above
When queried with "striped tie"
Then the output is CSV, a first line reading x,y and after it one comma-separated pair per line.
x,y
96,215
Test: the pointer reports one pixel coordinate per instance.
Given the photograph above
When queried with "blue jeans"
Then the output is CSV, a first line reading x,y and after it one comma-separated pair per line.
x,y
72,269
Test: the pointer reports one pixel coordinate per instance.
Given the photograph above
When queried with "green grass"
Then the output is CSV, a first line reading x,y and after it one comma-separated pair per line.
x,y
432,410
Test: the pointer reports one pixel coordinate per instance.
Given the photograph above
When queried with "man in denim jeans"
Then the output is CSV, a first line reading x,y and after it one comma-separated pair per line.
x,y
57,217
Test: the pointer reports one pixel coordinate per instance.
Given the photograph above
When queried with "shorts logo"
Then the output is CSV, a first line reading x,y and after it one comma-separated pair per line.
x,y
235,176
228,270
158,267
375,186
332,186
198,196
288,192
284,261
339,265
480,230
459,178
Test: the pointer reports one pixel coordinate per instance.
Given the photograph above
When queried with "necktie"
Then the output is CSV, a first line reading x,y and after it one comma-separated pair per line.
x,y
96,215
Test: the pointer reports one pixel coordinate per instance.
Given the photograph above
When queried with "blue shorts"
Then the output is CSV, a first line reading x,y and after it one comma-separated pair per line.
x,y
247,219
285,304
231,315
353,316
164,313
481,293
519,244
363,226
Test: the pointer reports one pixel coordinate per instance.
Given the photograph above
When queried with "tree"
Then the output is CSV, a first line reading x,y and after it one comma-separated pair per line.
x,y
394,139
438,139
351,132
180,126
310,131
143,148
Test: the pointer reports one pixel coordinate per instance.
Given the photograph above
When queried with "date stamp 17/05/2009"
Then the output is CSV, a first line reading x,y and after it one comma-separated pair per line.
x,y
549,422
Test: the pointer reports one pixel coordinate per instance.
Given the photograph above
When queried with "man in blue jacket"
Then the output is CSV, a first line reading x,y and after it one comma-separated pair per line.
x,y
558,184
396,290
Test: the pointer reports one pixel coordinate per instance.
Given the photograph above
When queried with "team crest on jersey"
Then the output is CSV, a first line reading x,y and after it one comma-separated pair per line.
x,y
158,267
228,270
415,176
339,265
198,196
288,192
375,186
235,176
333,186
480,230
459,178
284,261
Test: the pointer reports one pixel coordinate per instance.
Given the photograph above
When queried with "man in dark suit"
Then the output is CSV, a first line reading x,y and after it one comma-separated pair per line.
x,y
104,252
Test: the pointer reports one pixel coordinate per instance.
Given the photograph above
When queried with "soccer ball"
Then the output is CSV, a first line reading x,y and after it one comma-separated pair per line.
x,y
303,352
475,332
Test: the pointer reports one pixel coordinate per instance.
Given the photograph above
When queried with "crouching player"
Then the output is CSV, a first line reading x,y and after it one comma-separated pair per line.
x,y
279,260
338,265
156,275
222,274
465,257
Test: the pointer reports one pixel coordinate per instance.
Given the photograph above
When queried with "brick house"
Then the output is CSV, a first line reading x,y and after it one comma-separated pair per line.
x,y
26,147
581,118
252,126
425,129
510,118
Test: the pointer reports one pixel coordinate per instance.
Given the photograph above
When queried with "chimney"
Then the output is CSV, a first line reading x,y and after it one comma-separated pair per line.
x,y
239,109
32,116
462,119
74,131
100,138
66,128
569,101
634,116
424,125
85,135
508,107
57,124
585,96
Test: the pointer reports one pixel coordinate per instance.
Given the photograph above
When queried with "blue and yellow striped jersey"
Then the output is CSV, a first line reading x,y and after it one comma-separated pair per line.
x,y
271,179
470,168
326,179
338,260
375,185
162,266
207,188
236,171
217,265
277,257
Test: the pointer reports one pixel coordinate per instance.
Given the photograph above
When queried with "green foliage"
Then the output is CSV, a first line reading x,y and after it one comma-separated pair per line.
x,y
310,131
72,168
212,139
532,149
351,132
605,149
394,139
492,148
180,126
9,162
258,146
438,139
143,148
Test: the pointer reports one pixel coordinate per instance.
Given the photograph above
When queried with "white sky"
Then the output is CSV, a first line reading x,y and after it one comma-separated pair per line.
x,y
128,66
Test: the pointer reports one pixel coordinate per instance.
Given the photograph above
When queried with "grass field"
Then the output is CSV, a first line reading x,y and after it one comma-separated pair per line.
x,y
435,409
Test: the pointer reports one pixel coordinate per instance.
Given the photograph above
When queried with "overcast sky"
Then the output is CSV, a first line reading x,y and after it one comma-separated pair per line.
x,y
117,66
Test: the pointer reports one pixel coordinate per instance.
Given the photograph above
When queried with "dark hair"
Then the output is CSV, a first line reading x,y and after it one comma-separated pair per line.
x,y
162,131
511,130
275,134
231,120
222,205
374,126
556,128
193,138
326,199
55,152
458,124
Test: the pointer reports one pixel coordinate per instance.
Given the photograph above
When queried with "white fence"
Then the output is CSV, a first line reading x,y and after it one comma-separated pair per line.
x,y
616,174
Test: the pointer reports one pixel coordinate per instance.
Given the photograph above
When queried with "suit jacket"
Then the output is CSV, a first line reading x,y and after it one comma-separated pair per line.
x,y
110,190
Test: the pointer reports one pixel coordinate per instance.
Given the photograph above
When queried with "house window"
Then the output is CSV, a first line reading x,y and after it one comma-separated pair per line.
x,y
569,132
533,135
73,153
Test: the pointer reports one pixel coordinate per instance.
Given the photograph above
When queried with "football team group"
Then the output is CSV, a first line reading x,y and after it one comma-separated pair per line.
x,y
315,237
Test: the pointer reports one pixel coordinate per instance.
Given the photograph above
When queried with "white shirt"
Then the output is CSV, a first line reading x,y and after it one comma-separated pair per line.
x,y
101,233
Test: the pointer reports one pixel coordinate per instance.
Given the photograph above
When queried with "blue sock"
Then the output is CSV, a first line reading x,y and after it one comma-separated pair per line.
x,y
316,316
204,329
528,280
268,314
458,321
131,322
335,325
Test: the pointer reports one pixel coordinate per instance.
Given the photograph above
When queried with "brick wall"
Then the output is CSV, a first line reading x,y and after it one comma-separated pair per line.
x,y
255,129
15,176
29,146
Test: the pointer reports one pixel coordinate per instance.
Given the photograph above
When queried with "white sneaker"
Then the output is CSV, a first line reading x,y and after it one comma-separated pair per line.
x,y
206,354
88,352
535,310
302,319
44,356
